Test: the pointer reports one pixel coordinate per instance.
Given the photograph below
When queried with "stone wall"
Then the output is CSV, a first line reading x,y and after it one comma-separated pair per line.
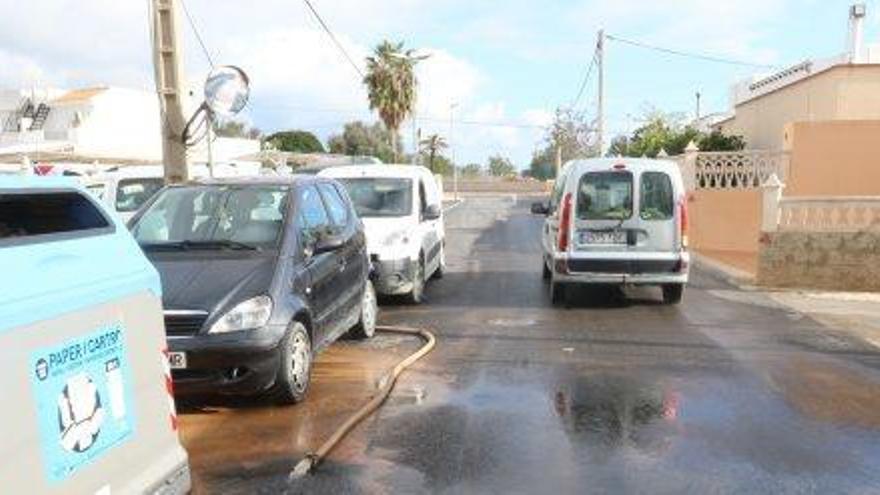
x,y
847,261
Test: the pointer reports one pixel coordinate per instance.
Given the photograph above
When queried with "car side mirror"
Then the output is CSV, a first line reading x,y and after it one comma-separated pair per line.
x,y
328,242
432,212
541,208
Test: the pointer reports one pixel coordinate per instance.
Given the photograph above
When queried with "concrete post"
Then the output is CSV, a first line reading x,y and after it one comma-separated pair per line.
x,y
689,166
168,67
772,194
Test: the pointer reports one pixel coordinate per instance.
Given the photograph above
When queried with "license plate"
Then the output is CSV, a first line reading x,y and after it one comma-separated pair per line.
x,y
177,360
603,237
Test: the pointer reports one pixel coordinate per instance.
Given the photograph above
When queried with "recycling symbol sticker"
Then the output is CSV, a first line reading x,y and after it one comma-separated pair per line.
x,y
80,414
83,394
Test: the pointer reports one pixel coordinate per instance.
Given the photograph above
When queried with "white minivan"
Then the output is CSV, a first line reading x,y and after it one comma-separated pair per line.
x,y
125,189
616,221
402,210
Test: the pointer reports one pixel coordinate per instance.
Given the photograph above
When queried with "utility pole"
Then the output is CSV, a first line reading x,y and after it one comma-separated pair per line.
x,y
209,121
600,112
698,105
168,65
452,149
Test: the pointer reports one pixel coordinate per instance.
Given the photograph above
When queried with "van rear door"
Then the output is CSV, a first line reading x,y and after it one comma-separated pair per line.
x,y
604,210
656,213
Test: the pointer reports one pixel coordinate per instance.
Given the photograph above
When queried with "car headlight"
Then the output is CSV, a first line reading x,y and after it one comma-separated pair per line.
x,y
247,315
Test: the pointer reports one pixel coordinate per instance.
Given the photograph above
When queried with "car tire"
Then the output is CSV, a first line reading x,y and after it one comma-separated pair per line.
x,y
295,367
558,293
417,294
546,274
673,293
366,325
441,267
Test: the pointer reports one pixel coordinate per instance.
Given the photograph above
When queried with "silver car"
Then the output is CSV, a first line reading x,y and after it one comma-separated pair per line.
x,y
616,221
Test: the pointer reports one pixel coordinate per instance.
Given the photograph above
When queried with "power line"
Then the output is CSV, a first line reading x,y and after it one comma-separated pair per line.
x,y
192,24
275,107
333,37
585,81
680,53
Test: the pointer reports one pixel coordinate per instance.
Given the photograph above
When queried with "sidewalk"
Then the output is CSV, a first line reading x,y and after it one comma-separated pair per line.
x,y
856,313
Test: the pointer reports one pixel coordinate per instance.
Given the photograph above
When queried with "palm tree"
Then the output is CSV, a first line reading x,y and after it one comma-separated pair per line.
x,y
391,85
431,146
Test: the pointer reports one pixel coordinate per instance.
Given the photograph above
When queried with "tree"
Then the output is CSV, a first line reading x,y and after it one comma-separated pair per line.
x,y
295,141
619,146
656,134
235,129
572,135
500,166
716,141
543,164
431,146
391,84
472,170
358,138
664,131
443,166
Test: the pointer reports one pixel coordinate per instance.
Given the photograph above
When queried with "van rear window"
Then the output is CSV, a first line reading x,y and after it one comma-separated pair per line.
x,y
24,217
656,201
605,196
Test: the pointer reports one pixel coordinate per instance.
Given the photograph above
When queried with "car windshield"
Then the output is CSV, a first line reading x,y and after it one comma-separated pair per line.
x,y
380,197
131,194
605,196
236,217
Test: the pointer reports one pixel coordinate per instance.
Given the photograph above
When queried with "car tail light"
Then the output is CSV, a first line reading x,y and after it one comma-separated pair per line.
x,y
564,224
683,222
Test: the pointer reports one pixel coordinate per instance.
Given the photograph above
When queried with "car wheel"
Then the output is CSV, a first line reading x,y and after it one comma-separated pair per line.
x,y
366,325
417,295
672,293
441,268
295,369
557,293
546,273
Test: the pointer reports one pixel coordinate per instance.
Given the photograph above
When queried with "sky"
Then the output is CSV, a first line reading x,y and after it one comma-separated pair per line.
x,y
506,65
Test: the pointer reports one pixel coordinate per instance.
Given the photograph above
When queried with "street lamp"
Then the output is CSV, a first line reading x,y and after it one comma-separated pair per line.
x,y
452,108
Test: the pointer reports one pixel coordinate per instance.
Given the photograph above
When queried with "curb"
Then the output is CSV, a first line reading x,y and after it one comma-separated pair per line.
x,y
739,278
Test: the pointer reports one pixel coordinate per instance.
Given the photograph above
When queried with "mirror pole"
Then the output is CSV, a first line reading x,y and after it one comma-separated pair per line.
x,y
210,118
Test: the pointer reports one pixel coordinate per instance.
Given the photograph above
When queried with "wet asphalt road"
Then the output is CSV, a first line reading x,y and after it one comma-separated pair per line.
x,y
615,394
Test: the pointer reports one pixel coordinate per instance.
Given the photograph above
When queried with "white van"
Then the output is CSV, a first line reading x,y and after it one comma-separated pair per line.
x,y
125,189
402,210
616,221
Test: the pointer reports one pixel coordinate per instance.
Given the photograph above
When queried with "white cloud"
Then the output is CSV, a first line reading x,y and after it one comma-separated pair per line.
x,y
445,79
300,79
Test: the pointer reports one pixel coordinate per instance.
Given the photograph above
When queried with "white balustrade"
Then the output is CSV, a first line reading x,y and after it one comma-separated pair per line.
x,y
738,169
829,214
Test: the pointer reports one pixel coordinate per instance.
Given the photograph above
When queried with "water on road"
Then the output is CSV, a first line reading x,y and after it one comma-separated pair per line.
x,y
617,393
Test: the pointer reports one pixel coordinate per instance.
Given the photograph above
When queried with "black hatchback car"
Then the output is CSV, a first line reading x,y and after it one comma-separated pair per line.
x,y
258,275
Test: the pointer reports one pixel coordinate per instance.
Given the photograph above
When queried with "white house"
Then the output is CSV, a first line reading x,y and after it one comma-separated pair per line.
x,y
108,125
